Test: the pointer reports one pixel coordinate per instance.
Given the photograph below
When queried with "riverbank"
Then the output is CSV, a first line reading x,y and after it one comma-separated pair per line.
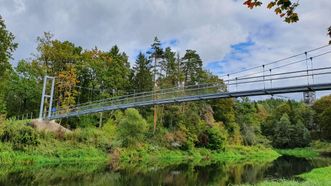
x,y
62,152
55,153
23,144
315,149
316,177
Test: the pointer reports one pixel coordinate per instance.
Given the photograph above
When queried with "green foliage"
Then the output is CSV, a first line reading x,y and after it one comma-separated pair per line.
x,y
92,137
224,110
142,79
288,131
235,137
216,138
247,118
7,48
132,128
24,89
20,136
192,67
322,108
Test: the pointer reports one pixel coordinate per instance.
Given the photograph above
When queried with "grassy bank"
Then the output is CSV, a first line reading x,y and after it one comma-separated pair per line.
x,y
54,153
299,152
316,149
317,177
23,144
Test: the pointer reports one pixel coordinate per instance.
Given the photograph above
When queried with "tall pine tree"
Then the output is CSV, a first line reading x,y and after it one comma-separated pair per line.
x,y
192,67
143,78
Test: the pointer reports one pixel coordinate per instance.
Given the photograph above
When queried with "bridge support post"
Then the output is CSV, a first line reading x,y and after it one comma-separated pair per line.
x,y
46,96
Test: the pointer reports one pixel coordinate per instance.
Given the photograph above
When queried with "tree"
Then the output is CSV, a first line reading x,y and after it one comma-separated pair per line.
x,y
59,59
24,89
66,87
288,131
54,55
224,112
117,73
282,132
156,54
171,67
7,47
247,119
192,67
142,79
156,57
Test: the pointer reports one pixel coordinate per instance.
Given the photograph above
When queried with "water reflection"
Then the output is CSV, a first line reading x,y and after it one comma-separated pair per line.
x,y
219,173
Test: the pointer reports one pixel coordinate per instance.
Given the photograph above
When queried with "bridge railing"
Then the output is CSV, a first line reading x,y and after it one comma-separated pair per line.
x,y
172,94
162,94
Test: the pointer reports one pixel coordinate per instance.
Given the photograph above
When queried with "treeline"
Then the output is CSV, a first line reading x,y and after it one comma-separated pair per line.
x,y
85,75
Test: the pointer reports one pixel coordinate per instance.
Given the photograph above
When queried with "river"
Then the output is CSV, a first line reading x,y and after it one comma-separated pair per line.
x,y
219,173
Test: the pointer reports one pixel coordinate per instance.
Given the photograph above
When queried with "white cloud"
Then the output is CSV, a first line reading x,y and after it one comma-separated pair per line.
x,y
208,26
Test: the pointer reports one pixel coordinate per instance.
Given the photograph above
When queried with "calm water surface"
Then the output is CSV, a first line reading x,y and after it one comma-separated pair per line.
x,y
220,173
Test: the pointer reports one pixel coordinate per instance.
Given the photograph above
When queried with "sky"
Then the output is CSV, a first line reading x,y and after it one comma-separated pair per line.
x,y
228,36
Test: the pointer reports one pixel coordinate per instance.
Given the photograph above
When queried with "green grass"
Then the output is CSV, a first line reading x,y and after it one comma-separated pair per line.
x,y
317,177
58,154
316,149
299,152
318,174
292,183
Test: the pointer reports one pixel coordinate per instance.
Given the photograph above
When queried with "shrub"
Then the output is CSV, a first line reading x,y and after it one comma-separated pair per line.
x,y
110,128
91,136
177,139
20,136
132,128
213,138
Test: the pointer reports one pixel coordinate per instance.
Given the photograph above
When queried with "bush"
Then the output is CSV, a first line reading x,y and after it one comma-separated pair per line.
x,y
217,138
132,128
177,139
91,136
20,136
213,138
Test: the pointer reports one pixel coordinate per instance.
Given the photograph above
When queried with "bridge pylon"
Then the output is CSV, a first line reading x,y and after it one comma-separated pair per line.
x,y
47,96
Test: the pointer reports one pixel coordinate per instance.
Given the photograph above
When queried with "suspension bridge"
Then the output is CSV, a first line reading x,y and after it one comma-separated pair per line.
x,y
288,75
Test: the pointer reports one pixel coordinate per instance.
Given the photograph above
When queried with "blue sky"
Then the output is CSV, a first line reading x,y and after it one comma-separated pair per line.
x,y
237,53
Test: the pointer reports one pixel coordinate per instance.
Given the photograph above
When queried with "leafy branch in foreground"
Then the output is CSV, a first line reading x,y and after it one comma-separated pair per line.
x,y
283,8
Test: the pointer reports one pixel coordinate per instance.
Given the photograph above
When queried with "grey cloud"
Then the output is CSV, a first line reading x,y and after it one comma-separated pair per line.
x,y
210,27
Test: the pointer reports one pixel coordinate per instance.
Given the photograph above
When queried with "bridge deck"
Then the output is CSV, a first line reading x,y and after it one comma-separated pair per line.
x,y
179,96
